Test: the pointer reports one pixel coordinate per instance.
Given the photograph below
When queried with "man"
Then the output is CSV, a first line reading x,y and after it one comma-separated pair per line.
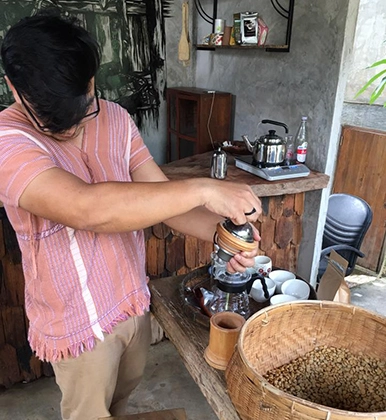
x,y
79,185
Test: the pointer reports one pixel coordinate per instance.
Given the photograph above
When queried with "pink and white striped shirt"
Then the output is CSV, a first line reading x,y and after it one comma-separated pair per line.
x,y
78,284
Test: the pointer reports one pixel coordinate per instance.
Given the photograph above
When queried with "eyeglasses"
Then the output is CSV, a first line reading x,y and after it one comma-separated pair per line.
x,y
85,119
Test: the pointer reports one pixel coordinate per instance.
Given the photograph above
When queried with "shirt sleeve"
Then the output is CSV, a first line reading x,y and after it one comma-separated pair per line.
x,y
21,160
139,151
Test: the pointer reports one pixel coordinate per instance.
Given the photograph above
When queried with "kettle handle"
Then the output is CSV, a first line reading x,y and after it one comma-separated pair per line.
x,y
276,123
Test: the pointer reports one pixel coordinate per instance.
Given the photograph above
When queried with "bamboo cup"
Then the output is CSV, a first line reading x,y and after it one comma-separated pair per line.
x,y
224,331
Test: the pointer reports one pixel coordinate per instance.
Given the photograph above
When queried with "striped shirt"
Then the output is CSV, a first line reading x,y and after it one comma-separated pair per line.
x,y
78,284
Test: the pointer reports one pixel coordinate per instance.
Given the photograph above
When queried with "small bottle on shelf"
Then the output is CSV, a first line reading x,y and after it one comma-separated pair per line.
x,y
289,150
301,141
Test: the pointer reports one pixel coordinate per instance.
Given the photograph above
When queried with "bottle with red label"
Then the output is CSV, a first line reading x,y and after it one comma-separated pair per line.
x,y
301,141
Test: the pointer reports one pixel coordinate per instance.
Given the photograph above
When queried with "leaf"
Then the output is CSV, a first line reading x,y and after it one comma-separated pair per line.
x,y
378,91
370,82
377,63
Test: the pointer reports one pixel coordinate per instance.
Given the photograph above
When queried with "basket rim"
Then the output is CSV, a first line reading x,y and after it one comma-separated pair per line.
x,y
290,306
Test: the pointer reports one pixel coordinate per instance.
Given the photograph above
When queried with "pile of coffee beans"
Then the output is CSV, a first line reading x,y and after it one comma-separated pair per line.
x,y
336,378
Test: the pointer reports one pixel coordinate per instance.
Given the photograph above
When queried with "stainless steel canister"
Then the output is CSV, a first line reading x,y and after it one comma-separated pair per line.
x,y
219,164
219,26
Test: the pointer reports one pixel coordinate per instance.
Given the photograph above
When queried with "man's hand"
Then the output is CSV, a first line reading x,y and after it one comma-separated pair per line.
x,y
232,200
243,260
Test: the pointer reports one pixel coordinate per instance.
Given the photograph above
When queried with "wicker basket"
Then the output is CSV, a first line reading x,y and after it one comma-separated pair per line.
x,y
279,334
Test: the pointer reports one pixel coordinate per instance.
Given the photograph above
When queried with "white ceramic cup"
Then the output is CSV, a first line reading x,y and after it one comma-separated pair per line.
x,y
263,265
257,291
296,287
276,299
279,277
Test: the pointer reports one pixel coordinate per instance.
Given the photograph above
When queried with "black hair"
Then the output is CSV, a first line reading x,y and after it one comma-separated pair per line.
x,y
50,60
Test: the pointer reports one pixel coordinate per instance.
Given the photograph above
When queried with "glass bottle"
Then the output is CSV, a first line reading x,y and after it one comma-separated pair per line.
x,y
289,150
301,141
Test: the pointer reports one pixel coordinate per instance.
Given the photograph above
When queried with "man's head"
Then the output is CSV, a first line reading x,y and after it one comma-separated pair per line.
x,y
51,63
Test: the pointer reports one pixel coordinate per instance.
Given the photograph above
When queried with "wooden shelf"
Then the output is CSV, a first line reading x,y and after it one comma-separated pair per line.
x,y
287,14
278,48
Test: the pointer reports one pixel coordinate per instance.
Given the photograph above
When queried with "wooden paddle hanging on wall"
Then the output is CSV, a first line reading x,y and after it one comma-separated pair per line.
x,y
183,45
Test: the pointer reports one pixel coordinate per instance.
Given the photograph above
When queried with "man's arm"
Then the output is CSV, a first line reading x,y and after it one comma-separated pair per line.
x,y
200,222
119,206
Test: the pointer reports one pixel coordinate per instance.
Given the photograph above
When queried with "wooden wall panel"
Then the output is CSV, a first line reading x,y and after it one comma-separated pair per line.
x,y
267,233
191,252
284,231
155,249
204,251
17,362
361,171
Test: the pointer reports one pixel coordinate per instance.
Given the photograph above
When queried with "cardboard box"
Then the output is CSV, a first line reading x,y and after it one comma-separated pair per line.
x,y
332,285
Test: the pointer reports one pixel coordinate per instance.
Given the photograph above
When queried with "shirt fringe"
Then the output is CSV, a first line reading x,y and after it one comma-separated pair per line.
x,y
50,350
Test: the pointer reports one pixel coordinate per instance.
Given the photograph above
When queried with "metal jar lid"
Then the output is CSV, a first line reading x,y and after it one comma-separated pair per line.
x,y
243,232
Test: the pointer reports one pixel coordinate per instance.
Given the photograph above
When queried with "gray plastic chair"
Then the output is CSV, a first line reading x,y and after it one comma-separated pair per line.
x,y
348,219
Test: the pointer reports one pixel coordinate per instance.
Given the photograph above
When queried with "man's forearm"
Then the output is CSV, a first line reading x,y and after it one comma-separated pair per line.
x,y
198,222
109,206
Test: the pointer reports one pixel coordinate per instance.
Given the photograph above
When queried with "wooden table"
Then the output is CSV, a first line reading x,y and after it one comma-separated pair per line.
x,y
188,330
198,166
190,339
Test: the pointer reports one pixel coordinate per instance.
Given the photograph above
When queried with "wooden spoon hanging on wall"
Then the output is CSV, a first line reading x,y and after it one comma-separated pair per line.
x,y
183,45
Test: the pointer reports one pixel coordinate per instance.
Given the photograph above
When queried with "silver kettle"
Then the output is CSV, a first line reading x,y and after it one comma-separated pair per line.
x,y
269,149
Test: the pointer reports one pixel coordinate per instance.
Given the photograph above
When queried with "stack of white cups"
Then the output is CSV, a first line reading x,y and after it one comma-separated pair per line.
x,y
288,287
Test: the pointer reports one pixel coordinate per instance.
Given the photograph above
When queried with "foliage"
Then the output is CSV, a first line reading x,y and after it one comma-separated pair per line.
x,y
381,85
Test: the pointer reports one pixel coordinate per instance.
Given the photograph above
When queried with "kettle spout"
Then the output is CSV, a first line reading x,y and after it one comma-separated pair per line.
x,y
247,143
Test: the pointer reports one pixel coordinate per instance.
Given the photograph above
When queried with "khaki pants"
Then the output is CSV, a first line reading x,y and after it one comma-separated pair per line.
x,y
98,382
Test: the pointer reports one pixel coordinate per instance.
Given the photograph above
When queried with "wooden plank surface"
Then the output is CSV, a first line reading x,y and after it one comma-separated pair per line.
x,y
176,414
198,166
361,171
190,339
17,363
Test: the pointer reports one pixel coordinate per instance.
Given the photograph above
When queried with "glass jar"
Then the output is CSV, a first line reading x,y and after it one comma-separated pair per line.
x,y
229,292
227,301
217,264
